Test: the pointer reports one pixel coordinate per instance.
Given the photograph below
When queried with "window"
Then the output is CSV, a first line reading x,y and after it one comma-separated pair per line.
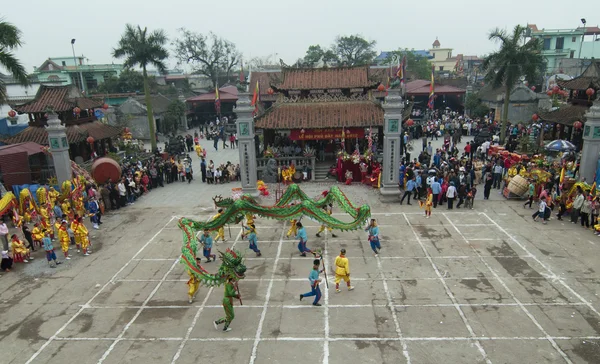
x,y
441,68
560,42
574,39
572,54
64,63
546,44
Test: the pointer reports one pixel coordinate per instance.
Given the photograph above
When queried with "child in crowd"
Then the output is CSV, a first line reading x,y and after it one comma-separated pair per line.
x,y
50,255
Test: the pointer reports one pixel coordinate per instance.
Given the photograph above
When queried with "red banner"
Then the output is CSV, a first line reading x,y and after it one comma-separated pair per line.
x,y
321,134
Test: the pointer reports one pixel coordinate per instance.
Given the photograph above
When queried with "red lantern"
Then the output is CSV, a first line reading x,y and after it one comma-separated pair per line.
x,y
410,122
77,110
12,113
381,87
535,117
90,140
590,92
105,106
555,89
577,125
270,91
532,88
549,93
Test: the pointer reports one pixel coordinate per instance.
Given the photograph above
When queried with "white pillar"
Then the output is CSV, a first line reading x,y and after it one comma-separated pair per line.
x,y
184,123
245,133
591,144
392,132
59,148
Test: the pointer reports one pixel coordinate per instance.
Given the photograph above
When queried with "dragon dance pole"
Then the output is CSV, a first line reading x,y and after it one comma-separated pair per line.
x,y
324,272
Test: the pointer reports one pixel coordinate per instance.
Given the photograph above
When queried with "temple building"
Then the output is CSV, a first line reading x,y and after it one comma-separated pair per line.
x,y
77,112
583,90
319,104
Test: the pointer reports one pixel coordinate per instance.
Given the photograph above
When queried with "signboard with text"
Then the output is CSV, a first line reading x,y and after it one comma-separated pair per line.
x,y
326,134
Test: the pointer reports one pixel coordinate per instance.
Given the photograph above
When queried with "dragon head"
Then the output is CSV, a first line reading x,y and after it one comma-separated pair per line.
x,y
232,265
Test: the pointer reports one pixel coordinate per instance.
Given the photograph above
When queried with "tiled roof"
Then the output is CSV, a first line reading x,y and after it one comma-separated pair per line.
x,y
75,133
226,94
566,115
325,78
321,115
264,80
589,78
60,98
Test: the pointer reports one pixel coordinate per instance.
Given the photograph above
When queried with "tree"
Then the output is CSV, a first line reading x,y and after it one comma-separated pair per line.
x,y
512,61
417,65
172,118
10,39
475,107
316,54
209,55
353,50
140,48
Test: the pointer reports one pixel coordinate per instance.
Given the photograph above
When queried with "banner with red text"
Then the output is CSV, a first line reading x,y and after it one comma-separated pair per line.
x,y
326,134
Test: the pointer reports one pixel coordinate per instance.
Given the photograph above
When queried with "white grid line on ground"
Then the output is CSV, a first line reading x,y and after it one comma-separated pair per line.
x,y
53,337
326,309
333,339
263,314
511,293
366,257
193,324
388,296
552,275
450,295
353,278
137,314
483,304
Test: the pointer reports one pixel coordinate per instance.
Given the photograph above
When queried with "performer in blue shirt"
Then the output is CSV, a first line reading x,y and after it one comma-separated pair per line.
x,y
252,239
313,277
373,230
303,239
207,241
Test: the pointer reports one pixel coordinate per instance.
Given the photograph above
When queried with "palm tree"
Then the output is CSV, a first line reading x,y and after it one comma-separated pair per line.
x,y
10,39
142,49
514,59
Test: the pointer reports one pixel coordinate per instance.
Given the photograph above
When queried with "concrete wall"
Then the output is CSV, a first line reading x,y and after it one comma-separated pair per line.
x,y
139,127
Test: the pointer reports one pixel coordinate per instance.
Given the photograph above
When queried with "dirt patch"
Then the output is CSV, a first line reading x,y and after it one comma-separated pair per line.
x,y
86,322
588,350
429,233
30,329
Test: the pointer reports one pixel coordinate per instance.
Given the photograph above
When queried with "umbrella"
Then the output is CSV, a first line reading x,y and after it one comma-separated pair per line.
x,y
560,145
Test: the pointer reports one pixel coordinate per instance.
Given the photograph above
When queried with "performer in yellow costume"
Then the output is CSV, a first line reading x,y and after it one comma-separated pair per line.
x,y
45,220
79,207
198,149
53,196
37,234
74,226
66,208
18,247
63,237
193,284
342,271
293,230
221,231
82,234
329,210
250,219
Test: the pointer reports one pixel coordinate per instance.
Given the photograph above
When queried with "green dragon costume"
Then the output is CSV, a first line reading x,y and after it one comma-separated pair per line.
x,y
293,205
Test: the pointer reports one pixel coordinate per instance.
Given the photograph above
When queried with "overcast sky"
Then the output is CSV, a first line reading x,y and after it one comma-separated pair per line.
x,y
282,27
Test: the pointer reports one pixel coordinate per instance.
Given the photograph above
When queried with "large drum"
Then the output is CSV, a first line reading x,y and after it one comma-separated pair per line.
x,y
105,168
518,185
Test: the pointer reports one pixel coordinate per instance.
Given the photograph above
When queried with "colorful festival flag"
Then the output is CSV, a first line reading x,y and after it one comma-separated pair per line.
x,y
256,98
430,103
562,175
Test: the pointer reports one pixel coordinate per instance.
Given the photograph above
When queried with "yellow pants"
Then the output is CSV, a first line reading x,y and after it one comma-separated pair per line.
x,y
84,242
323,227
220,234
77,240
193,285
293,231
65,246
339,277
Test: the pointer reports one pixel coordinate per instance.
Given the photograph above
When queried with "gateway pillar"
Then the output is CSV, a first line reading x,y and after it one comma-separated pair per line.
x,y
392,132
591,144
245,133
59,148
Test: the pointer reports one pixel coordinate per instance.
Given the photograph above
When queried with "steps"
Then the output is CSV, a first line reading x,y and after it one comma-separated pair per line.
x,y
321,171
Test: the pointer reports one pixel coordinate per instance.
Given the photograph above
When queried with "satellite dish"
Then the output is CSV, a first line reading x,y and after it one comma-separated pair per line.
x,y
554,78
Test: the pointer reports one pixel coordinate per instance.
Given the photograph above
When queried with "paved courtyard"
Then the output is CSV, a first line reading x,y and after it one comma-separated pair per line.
x,y
480,286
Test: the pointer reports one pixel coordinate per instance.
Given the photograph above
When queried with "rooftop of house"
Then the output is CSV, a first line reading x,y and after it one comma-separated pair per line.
x,y
383,56
579,30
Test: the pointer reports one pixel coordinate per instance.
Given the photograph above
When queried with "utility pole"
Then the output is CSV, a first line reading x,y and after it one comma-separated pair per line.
x,y
77,66
582,36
